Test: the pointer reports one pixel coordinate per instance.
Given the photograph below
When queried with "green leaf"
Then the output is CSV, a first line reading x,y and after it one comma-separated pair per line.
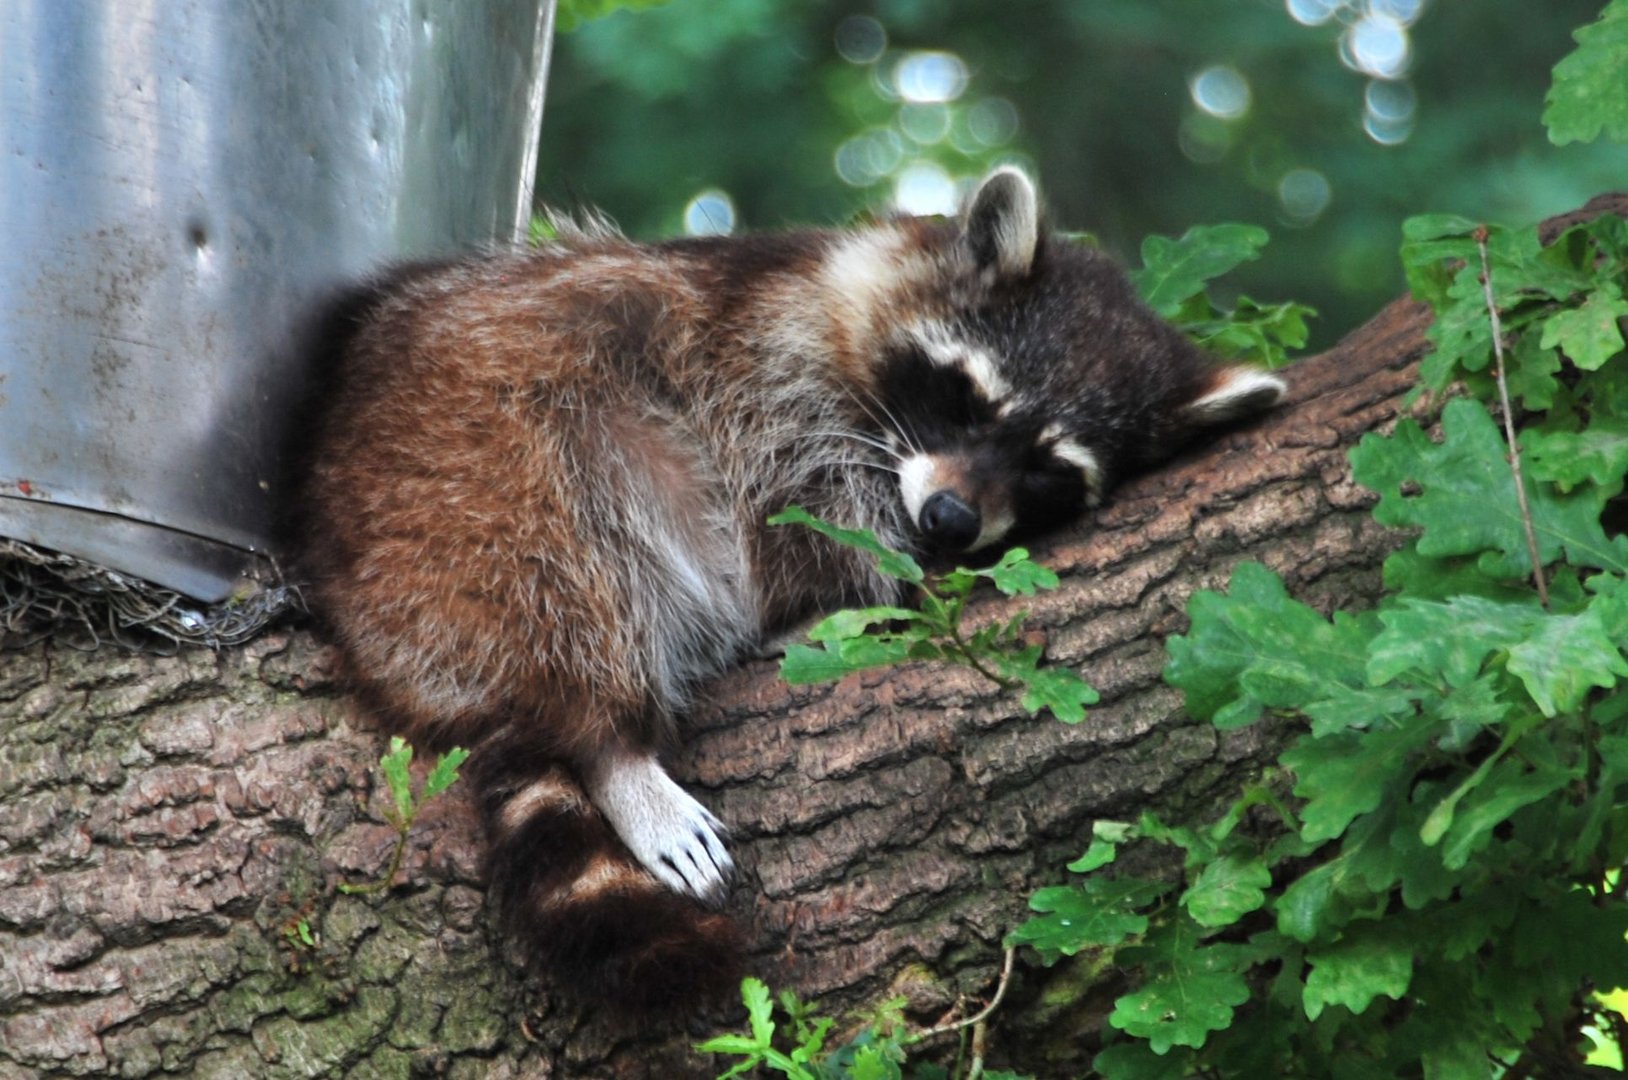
x,y
1347,775
1597,455
395,765
1255,333
1173,271
1133,1059
1306,908
1095,912
803,664
1510,787
1569,937
730,1044
870,1052
1190,992
1423,577
1564,658
1443,268
1589,334
1198,844
1099,854
1466,501
1417,867
760,1009
1532,371
1433,248
812,1039
852,622
1018,575
1256,648
1227,889
1447,639
1136,1060
895,564
445,772
1354,972
1060,690
1586,97
872,1063
1106,836
1440,818
1345,708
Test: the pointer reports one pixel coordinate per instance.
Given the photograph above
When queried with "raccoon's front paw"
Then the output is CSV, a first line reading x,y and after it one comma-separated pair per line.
x,y
676,838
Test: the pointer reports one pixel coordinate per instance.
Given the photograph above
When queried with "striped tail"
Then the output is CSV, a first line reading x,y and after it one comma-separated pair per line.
x,y
582,907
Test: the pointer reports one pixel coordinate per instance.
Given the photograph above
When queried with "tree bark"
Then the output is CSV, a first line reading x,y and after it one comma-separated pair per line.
x,y
170,825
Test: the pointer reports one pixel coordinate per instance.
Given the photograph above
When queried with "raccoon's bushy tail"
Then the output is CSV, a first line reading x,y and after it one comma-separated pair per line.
x,y
581,906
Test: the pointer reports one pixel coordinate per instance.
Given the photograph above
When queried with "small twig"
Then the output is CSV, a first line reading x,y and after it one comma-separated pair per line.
x,y
980,1035
1509,419
972,1021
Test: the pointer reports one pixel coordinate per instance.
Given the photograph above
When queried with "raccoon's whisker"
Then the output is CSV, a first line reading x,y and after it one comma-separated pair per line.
x,y
854,436
884,417
883,466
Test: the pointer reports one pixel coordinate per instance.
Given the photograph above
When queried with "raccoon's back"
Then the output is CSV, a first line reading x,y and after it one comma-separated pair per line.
x,y
484,528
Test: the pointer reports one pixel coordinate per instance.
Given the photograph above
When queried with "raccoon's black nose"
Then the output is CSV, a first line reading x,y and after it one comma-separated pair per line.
x,y
949,522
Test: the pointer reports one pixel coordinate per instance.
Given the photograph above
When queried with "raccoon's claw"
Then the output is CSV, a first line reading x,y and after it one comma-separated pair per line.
x,y
673,836
701,867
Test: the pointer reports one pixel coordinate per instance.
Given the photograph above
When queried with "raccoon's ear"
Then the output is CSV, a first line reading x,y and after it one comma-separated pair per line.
x,y
1237,392
1002,224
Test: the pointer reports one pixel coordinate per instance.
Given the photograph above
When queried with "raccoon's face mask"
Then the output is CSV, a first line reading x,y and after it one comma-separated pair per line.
x,y
972,469
1014,417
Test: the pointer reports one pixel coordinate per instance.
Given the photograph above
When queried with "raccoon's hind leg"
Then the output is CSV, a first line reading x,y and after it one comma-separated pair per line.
x,y
575,900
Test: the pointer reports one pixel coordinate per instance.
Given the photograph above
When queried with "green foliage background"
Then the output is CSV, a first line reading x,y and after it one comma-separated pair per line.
x,y
1429,884
647,107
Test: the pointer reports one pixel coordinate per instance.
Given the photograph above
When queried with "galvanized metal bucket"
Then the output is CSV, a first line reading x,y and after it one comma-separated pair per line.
x,y
182,182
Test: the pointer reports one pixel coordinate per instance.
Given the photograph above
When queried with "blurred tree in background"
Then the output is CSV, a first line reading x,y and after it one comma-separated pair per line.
x,y
1326,120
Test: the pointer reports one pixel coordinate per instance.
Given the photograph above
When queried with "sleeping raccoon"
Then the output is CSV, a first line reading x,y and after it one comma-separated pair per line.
x,y
536,514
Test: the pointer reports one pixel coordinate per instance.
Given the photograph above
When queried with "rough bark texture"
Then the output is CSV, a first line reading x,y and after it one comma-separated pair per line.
x,y
167,825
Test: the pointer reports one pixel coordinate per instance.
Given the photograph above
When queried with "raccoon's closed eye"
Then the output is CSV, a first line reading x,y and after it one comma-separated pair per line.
x,y
934,402
966,405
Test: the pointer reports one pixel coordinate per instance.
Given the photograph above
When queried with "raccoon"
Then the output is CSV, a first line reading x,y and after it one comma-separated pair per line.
x,y
535,514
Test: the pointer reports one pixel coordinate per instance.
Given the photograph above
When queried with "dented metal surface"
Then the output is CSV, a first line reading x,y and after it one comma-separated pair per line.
x,y
181,183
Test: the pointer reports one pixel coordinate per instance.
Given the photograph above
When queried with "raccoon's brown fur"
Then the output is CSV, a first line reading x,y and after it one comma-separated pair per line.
x,y
536,514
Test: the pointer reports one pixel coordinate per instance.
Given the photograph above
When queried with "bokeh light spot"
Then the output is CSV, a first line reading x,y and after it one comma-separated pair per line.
x,y
1220,91
1405,12
930,76
993,121
1313,12
1389,100
710,213
869,156
861,39
925,188
1387,131
925,123
1305,194
1376,45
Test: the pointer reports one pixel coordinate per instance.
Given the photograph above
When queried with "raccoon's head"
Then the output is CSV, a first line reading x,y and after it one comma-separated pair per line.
x,y
1039,381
